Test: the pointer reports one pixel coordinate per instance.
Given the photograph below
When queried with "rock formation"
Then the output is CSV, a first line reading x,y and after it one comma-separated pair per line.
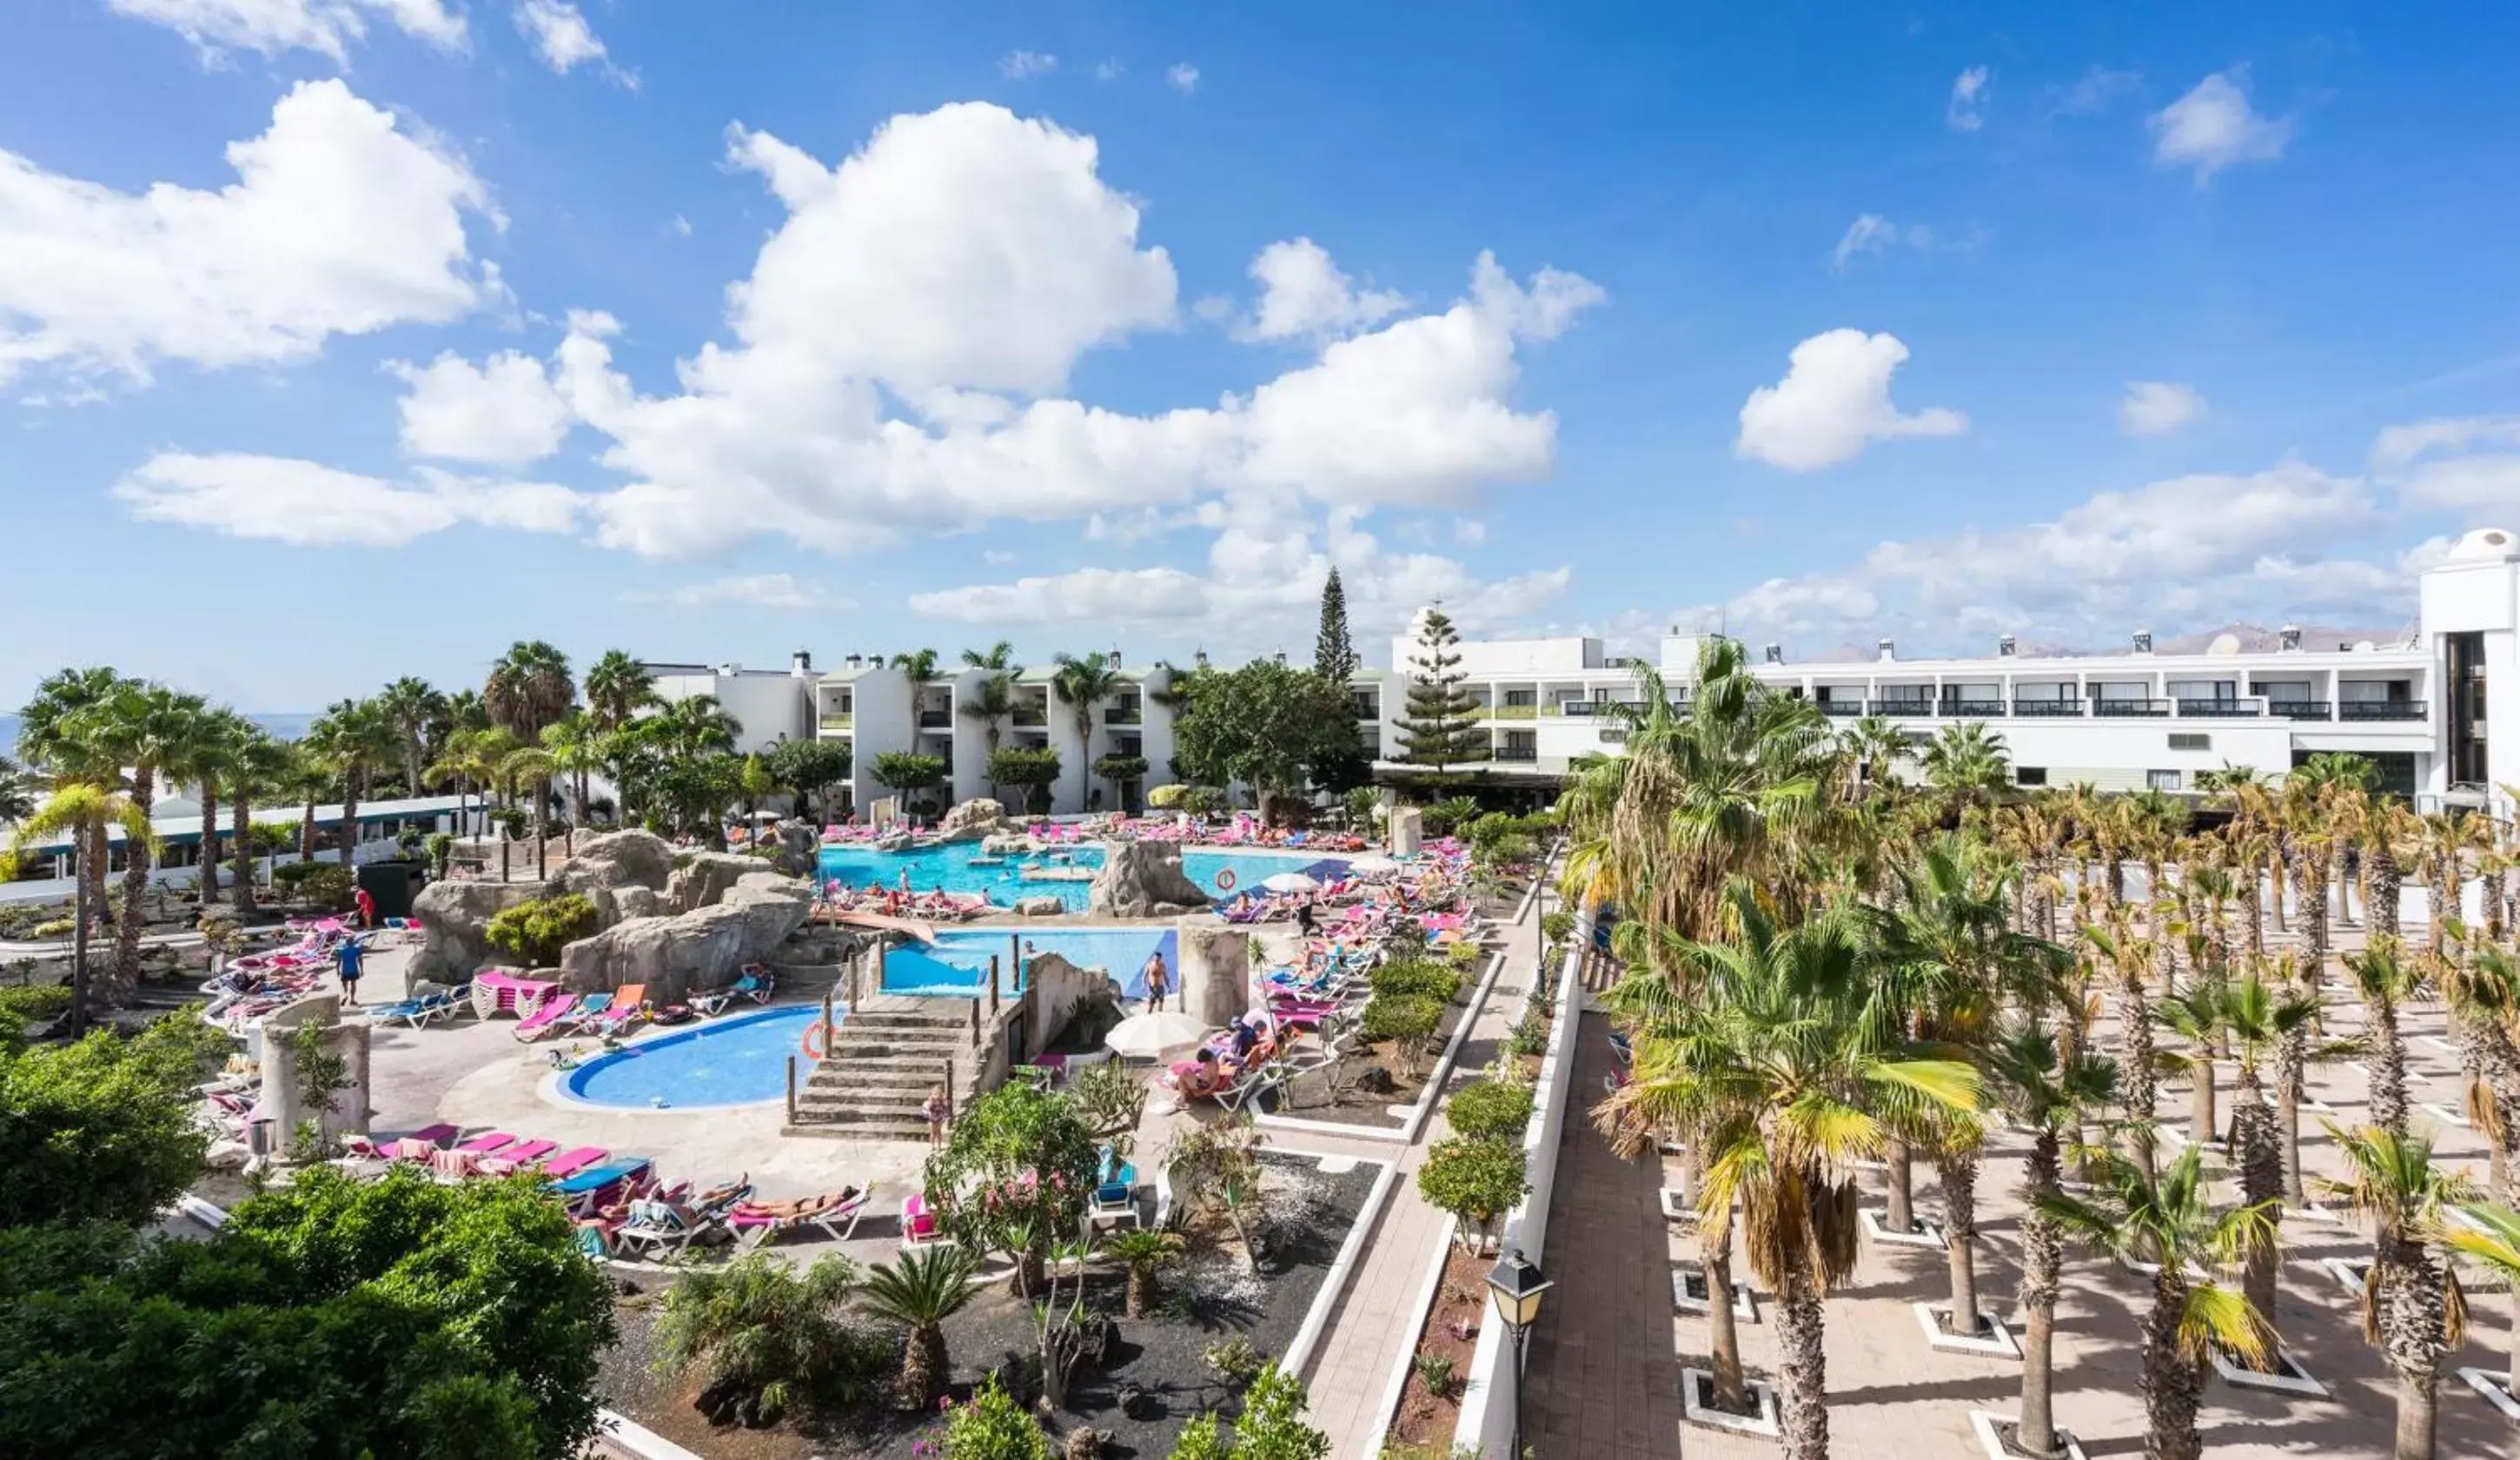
x,y
703,878
454,922
799,848
694,950
1145,880
1039,908
1005,844
973,820
1215,974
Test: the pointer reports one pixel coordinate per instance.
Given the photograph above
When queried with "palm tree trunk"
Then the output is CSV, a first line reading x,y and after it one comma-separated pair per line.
x,y
207,881
2134,1063
2388,1066
2275,866
542,841
2171,1382
1958,1172
241,891
1804,1359
1722,1332
125,979
2042,1258
2254,1142
2201,1097
1901,1163
2419,1406
78,933
2289,1058
306,833
350,789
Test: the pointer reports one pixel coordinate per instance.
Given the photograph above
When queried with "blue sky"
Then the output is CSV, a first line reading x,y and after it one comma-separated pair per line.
x,y
714,332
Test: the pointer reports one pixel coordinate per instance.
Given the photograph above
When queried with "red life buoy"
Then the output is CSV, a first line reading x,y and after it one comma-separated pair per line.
x,y
1224,880
818,1040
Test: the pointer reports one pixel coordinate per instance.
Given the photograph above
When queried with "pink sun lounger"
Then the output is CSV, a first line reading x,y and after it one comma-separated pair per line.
x,y
577,1158
511,1158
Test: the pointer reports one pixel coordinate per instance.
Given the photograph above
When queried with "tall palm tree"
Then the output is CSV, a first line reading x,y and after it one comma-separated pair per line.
x,y
208,766
59,736
1081,684
2412,1310
147,729
410,705
17,792
918,665
471,759
618,688
528,688
531,766
2050,1090
2484,993
1794,1049
1000,658
2262,1020
259,766
577,745
697,724
992,703
84,811
2385,980
2171,1222
1875,745
2197,1016
1966,764
2131,956
352,738
920,1289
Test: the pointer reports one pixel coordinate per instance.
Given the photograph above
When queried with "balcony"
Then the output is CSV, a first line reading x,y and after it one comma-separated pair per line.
x,y
2224,710
1513,712
1971,710
2071,708
1581,708
840,721
1031,719
1912,709
1515,752
937,720
1841,709
2298,710
1122,714
2379,710
2130,708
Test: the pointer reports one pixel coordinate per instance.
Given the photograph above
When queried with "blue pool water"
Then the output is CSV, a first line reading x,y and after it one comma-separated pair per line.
x,y
735,1060
949,869
965,953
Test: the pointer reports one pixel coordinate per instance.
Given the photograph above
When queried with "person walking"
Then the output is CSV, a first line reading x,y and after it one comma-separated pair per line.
x,y
349,955
1158,979
938,1111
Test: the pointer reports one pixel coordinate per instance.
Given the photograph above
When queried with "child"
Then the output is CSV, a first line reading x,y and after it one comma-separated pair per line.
x,y
936,1109
349,954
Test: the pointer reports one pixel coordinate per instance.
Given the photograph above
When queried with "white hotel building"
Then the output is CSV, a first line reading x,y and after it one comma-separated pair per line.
x,y
2419,704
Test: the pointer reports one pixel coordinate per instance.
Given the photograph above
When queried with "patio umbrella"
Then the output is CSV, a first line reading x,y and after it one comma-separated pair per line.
x,y
1371,866
1148,1036
1291,881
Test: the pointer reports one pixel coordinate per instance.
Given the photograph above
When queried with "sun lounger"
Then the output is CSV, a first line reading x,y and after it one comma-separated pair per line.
x,y
573,1160
629,1002
587,1014
414,1012
602,1185
919,1225
835,1213
1115,1199
510,1159
754,987
553,1014
658,1228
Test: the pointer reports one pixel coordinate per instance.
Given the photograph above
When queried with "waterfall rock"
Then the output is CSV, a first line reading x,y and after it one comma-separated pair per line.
x,y
1145,880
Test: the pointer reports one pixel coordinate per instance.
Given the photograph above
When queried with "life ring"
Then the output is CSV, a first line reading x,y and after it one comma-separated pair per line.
x,y
1224,880
818,1040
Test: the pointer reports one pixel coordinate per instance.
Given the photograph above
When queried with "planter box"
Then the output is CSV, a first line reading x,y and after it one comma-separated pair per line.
x,y
1688,1294
1876,1225
2289,1377
1991,1428
1993,1339
1697,1394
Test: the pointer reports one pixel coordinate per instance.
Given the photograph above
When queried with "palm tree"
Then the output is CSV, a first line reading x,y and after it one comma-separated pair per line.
x,y
2050,1090
1080,684
211,763
84,811
2490,1236
57,737
577,745
351,739
697,724
469,758
1792,1051
2412,1310
530,764
258,766
2197,1016
2171,1222
528,688
1143,1252
920,1291
1966,764
146,728
918,666
2261,1021
410,705
2484,993
1000,658
618,688
2385,980
2130,955
1875,745
992,703
17,792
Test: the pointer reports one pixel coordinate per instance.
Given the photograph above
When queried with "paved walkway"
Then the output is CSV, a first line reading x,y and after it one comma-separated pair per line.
x,y
1378,1318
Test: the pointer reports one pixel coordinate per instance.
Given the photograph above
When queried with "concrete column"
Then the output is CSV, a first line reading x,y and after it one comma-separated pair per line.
x,y
1407,828
1215,969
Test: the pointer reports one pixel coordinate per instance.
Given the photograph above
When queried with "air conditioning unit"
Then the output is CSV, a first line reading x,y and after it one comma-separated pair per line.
x,y
2005,646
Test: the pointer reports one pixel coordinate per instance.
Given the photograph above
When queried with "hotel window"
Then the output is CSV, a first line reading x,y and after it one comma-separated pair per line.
x,y
2191,742
2161,780
2030,775
1523,697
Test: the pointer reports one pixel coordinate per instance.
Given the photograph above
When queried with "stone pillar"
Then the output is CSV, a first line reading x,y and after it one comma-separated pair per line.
x,y
283,1102
1215,972
1405,824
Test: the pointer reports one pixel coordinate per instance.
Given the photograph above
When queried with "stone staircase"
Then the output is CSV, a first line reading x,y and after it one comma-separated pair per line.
x,y
880,1066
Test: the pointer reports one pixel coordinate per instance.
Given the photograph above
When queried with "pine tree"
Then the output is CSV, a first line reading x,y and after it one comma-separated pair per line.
x,y
1333,654
1442,726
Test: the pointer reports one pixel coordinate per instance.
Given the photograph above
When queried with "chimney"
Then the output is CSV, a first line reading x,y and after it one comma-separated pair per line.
x,y
1282,659
2007,647
1199,661
1776,654
2143,641
1889,650
802,663
2289,639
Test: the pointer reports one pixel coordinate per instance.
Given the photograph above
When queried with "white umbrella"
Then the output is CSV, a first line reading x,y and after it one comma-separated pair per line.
x,y
1372,865
1151,1034
1291,881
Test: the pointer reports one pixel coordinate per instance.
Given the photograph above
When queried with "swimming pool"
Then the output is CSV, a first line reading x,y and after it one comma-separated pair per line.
x,y
949,869
1121,952
737,1059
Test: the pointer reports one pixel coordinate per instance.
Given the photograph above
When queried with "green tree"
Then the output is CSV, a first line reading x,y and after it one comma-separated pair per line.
x,y
350,739
1267,725
1118,768
918,666
618,688
80,810
1476,1180
410,705
1081,683
528,688
810,768
2412,1310
575,745
992,703
1015,1175
920,1289
1031,769
1333,653
147,729
765,1338
1441,728
999,657
536,930
907,773
1966,764
533,766
60,732
1877,745
102,1129
1272,1425
396,1318
993,1427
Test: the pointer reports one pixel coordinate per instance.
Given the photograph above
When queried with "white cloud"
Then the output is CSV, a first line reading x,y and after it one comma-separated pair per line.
x,y
271,26
1182,76
338,224
563,39
1969,95
2187,551
1872,235
2156,408
2092,92
2399,445
1304,294
2212,126
503,411
2467,483
1018,65
1869,233
682,226
307,504
1109,68
1833,402
760,590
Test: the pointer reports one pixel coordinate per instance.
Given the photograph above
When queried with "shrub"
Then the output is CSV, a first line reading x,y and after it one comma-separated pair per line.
x,y
28,1005
103,1128
1272,1425
439,848
1448,815
766,1338
1166,798
1204,800
1476,1180
1406,940
1406,1019
536,930
323,885
1483,1108
993,1427
1233,1360
1530,1035
1555,925
1200,1439
1435,1371
53,928
1416,977
1359,804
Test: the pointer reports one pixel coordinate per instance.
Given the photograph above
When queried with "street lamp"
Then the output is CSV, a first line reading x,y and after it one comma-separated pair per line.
x,y
1515,1285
